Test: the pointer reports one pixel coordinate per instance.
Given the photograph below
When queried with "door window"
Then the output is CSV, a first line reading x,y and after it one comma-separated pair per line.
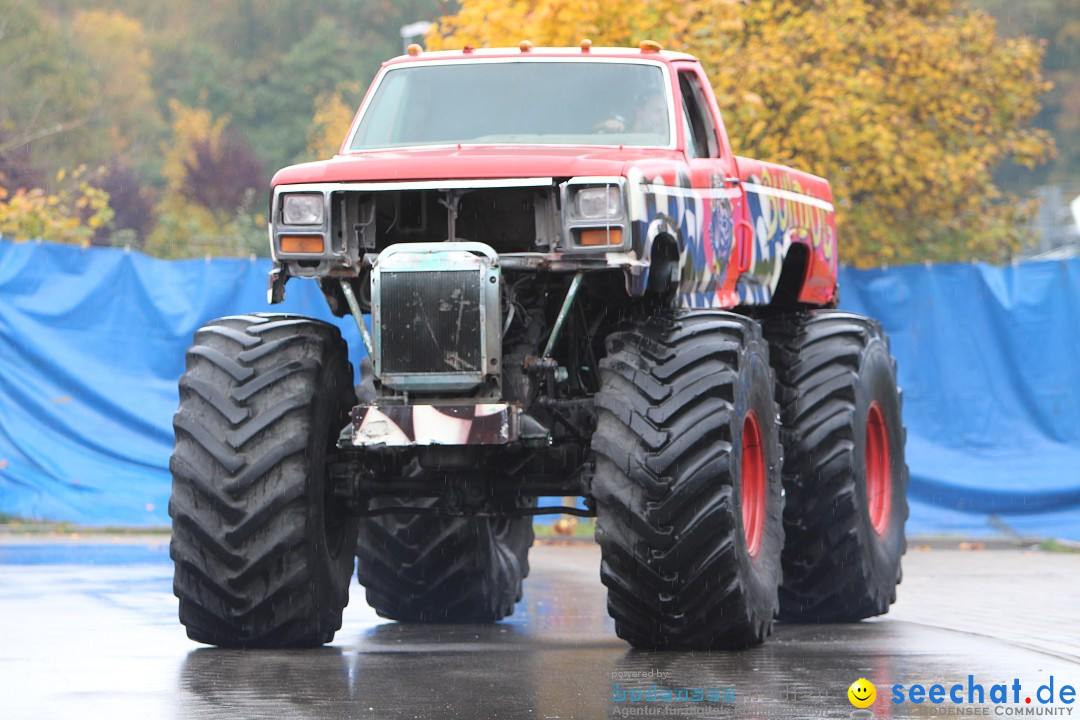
x,y
701,130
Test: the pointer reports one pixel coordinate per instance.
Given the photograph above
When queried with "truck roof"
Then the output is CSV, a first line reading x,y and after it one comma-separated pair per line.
x,y
526,50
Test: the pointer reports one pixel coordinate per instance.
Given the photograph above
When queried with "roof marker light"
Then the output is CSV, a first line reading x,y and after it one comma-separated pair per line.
x,y
414,50
650,47
586,45
525,46
467,49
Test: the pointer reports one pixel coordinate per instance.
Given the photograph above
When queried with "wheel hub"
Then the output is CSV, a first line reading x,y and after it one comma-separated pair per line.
x,y
753,483
878,470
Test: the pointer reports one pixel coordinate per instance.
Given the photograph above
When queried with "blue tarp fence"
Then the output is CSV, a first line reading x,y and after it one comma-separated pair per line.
x,y
92,343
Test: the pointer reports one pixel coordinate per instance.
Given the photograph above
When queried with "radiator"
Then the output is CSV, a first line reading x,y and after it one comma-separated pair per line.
x,y
436,316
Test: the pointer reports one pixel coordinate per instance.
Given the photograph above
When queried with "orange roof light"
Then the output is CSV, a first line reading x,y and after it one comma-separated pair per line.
x,y
586,45
650,47
525,46
414,50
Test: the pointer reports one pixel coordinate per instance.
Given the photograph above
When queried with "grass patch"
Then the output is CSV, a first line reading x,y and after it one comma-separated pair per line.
x,y
585,527
1059,546
17,525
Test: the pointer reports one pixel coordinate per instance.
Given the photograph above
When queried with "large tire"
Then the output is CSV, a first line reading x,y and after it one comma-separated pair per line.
x,y
424,568
687,482
844,470
263,551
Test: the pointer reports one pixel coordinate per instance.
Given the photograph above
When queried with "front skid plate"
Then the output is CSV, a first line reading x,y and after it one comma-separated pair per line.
x,y
446,424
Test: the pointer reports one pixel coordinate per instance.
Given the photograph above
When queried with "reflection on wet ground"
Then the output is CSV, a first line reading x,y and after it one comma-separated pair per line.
x,y
102,641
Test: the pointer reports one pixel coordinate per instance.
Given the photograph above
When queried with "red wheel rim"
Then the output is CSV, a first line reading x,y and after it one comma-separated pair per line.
x,y
753,483
878,469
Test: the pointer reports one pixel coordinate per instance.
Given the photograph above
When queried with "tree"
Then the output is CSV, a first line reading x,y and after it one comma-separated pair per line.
x,y
17,167
74,213
132,203
91,82
209,203
333,116
325,61
46,98
222,171
115,48
907,106
1057,24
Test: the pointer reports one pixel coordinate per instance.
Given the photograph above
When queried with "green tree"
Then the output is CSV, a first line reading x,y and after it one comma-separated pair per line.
x,y
91,82
1057,24
279,110
115,48
46,97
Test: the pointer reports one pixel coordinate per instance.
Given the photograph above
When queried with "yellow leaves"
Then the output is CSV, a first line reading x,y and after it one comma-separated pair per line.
x,y
190,126
71,214
185,226
752,99
498,23
116,47
333,116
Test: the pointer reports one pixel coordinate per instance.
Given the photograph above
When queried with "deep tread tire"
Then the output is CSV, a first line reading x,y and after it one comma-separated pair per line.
x,y
423,568
676,391
263,556
831,367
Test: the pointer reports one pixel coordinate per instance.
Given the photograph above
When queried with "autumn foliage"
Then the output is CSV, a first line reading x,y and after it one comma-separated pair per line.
x,y
178,112
906,106
175,114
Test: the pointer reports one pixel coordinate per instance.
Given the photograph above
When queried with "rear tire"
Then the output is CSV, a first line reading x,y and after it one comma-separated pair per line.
x,y
423,568
844,470
263,551
687,482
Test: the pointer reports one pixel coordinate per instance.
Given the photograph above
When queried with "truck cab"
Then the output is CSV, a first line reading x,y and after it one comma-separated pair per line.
x,y
582,158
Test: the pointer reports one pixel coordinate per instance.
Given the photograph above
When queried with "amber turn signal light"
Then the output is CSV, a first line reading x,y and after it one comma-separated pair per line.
x,y
600,238
310,244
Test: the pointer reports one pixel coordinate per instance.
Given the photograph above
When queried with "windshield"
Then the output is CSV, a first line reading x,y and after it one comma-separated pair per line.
x,y
532,102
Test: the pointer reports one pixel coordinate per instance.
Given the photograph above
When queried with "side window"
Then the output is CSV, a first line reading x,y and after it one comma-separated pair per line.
x,y
692,141
699,119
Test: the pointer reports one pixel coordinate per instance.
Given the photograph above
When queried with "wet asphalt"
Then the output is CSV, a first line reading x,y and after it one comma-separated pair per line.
x,y
89,630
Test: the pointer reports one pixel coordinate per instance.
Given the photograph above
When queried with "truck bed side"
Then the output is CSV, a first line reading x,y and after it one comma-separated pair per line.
x,y
786,208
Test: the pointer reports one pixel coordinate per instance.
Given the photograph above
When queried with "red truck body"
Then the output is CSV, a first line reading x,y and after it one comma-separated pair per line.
x,y
734,219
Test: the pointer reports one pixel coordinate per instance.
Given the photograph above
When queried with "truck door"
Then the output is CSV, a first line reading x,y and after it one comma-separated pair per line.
x,y
717,258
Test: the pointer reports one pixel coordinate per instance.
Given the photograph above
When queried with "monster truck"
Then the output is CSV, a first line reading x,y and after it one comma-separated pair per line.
x,y
575,288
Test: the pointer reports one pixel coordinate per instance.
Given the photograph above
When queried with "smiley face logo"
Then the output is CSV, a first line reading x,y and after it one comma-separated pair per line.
x,y
862,693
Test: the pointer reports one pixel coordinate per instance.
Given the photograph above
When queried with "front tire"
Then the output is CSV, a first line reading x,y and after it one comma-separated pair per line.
x,y
263,551
687,482
844,469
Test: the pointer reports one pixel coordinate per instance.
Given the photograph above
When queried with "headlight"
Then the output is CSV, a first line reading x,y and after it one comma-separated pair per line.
x,y
598,203
302,209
